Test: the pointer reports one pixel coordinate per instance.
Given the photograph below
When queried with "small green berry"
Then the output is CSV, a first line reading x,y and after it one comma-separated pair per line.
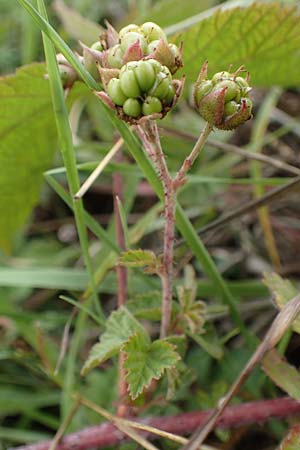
x,y
128,29
232,89
175,50
131,65
152,46
161,86
131,38
220,76
202,90
145,75
115,57
152,31
151,105
166,71
129,84
97,46
132,107
168,100
230,108
244,86
241,82
115,92
155,64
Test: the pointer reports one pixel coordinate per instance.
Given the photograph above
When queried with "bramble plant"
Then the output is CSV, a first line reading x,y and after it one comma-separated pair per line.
x,y
137,79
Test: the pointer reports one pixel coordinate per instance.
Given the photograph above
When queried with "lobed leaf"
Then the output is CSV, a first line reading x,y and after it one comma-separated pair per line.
x,y
262,36
146,361
120,326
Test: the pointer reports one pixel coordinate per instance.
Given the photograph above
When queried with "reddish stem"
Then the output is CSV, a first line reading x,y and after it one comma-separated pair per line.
x,y
150,137
106,434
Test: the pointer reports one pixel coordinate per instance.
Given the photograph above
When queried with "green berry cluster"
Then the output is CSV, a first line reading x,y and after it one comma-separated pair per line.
x,y
224,100
143,88
139,42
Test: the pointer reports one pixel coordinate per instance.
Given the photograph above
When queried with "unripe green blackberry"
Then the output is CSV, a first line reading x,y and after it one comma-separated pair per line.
x,y
97,46
129,84
152,46
115,92
152,31
155,64
232,89
220,76
151,105
223,101
230,108
128,29
132,107
175,50
131,38
169,98
115,57
145,75
202,90
161,86
139,88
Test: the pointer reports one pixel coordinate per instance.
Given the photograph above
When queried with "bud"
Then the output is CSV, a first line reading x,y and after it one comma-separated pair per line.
x,y
224,100
67,72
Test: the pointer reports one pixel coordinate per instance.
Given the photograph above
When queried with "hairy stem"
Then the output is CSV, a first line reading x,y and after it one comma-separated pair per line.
x,y
150,137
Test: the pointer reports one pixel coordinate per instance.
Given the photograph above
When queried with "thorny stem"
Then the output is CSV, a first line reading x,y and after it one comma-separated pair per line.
x,y
150,137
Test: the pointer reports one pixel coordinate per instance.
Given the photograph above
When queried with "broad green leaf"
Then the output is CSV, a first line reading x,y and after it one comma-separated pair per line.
x,y
283,374
283,291
138,258
263,37
146,361
28,142
292,441
120,326
167,12
77,26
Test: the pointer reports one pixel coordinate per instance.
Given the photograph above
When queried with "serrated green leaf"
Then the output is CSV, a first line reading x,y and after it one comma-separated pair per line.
x,y
283,291
120,326
263,37
138,258
146,361
28,137
292,441
283,374
167,12
179,342
77,26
